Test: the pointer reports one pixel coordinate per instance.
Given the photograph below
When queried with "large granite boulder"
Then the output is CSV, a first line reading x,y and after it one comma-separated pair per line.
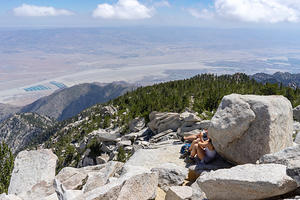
x,y
247,182
31,168
296,113
246,127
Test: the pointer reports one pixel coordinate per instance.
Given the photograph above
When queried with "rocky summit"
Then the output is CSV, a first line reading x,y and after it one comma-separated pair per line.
x,y
253,136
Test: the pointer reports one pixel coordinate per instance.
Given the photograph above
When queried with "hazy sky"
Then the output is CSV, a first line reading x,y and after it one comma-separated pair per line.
x,y
212,13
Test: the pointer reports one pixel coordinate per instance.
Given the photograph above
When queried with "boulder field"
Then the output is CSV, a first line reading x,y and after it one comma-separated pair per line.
x,y
253,133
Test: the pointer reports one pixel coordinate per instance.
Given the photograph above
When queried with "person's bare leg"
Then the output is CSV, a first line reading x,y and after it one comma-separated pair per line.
x,y
200,152
194,150
193,143
190,137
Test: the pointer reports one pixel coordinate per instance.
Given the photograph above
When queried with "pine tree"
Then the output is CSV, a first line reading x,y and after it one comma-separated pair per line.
x,y
6,167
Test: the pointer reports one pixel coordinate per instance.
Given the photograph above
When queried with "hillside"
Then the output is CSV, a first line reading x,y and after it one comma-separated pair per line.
x,y
68,102
202,94
20,130
287,79
7,111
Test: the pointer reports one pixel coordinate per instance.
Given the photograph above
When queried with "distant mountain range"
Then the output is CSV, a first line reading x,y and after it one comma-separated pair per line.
x,y
68,102
287,79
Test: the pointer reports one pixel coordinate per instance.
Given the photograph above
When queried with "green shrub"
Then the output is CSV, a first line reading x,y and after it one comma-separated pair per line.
x,y
6,167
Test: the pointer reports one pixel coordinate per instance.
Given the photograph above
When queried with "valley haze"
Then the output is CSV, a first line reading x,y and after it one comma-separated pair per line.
x,y
31,60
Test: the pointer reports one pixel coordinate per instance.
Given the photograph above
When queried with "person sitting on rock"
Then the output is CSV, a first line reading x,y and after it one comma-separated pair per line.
x,y
203,148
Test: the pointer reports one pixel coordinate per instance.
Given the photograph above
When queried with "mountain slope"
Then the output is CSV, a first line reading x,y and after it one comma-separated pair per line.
x,y
201,93
287,79
68,102
20,130
7,111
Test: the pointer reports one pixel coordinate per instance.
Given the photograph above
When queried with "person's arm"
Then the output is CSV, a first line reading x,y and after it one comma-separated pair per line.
x,y
191,137
203,144
200,136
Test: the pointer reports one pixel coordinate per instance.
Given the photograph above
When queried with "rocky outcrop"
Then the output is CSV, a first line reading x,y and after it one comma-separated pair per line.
x,y
21,129
247,182
31,168
108,110
186,123
160,122
246,127
137,124
164,136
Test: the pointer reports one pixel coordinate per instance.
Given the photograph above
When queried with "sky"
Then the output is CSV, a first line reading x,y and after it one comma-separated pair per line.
x,y
206,13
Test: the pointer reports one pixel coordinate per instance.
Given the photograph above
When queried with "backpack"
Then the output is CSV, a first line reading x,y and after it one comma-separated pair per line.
x,y
185,148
